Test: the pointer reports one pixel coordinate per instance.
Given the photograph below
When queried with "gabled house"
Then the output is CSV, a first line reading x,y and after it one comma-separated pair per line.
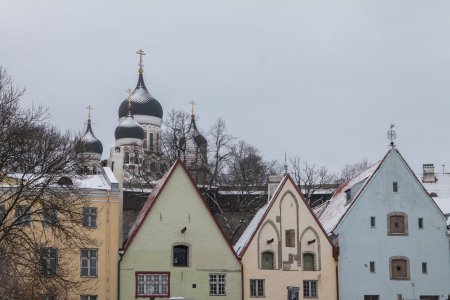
x,y
176,248
391,235
285,252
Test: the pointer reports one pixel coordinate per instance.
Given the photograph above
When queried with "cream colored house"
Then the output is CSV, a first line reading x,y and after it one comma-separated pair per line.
x,y
285,251
176,248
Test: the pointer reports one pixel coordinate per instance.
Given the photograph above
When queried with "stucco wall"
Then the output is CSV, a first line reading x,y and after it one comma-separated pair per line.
x,y
360,244
285,215
180,206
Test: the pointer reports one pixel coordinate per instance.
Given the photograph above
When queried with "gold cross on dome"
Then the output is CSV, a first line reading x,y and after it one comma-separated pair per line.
x,y
141,62
129,98
193,104
89,109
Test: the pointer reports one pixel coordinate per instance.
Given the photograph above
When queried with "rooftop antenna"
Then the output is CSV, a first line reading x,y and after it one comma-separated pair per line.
x,y
392,135
141,63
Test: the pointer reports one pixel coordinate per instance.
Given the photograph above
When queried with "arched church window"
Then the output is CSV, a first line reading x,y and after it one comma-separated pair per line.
x,y
157,142
267,260
151,141
145,139
136,158
126,157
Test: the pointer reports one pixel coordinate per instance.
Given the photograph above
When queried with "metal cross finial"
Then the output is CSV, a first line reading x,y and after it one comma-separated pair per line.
x,y
285,164
129,98
141,63
89,109
392,135
193,107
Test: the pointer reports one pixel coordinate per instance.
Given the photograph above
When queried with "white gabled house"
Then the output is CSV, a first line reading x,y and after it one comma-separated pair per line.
x,y
392,236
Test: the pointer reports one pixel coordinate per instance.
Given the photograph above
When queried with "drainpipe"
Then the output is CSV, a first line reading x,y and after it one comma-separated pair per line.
x,y
242,280
337,283
121,253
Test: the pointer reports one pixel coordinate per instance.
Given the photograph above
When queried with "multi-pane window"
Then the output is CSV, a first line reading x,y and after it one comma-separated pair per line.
x,y
308,262
181,256
152,284
267,260
23,218
395,187
399,268
217,284
50,216
310,288
371,297
372,267
49,261
90,217
397,224
88,262
256,287
89,297
372,222
424,268
420,223
290,237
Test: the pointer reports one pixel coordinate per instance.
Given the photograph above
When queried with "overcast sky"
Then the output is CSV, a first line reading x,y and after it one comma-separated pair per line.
x,y
319,79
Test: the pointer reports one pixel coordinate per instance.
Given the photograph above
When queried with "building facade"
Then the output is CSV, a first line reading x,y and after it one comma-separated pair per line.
x,y
285,252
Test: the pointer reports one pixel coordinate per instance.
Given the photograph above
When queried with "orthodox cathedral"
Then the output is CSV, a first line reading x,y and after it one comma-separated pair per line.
x,y
137,156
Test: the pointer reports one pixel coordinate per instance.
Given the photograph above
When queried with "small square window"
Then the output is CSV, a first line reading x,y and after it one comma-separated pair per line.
x,y
372,267
372,222
395,186
424,268
420,223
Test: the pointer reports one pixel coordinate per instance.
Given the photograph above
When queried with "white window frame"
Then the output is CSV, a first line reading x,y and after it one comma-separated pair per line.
x,y
257,288
152,284
91,260
310,289
217,284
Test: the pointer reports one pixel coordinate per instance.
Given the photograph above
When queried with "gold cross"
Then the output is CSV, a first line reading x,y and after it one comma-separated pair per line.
x,y
129,98
89,108
193,107
141,63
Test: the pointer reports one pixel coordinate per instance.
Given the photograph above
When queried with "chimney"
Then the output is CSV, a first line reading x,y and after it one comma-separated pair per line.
x,y
272,183
428,173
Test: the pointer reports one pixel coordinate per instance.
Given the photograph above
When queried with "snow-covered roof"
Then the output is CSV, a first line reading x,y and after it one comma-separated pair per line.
x,y
331,212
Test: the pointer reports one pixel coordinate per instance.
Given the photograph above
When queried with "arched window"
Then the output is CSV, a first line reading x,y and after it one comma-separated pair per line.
x,y
397,223
308,262
180,256
94,170
136,158
267,260
151,142
126,157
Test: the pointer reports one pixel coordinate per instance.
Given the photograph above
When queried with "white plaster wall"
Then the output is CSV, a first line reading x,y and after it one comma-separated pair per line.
x,y
360,244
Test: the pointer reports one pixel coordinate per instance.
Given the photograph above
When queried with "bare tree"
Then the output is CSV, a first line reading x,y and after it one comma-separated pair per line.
x,y
351,170
176,126
311,179
40,202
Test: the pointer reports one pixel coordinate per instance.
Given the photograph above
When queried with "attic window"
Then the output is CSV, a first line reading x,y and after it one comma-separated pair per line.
x,y
433,195
395,186
348,195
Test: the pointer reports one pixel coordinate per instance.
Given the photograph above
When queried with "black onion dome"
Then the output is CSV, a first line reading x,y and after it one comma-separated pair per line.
x,y
129,128
89,143
142,102
199,139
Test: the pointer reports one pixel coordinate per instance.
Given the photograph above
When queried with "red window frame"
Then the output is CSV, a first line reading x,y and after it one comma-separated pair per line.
x,y
137,295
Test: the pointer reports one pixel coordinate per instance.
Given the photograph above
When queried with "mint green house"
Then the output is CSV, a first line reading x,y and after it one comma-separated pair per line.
x,y
176,248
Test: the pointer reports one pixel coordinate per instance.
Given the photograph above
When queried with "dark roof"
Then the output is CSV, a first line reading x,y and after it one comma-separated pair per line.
x,y
142,102
129,128
89,143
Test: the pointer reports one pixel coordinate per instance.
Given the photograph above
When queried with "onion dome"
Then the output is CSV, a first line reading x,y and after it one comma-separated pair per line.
x,y
199,139
129,129
142,102
88,142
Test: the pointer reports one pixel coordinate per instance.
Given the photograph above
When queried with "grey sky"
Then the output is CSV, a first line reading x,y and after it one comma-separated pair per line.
x,y
320,79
